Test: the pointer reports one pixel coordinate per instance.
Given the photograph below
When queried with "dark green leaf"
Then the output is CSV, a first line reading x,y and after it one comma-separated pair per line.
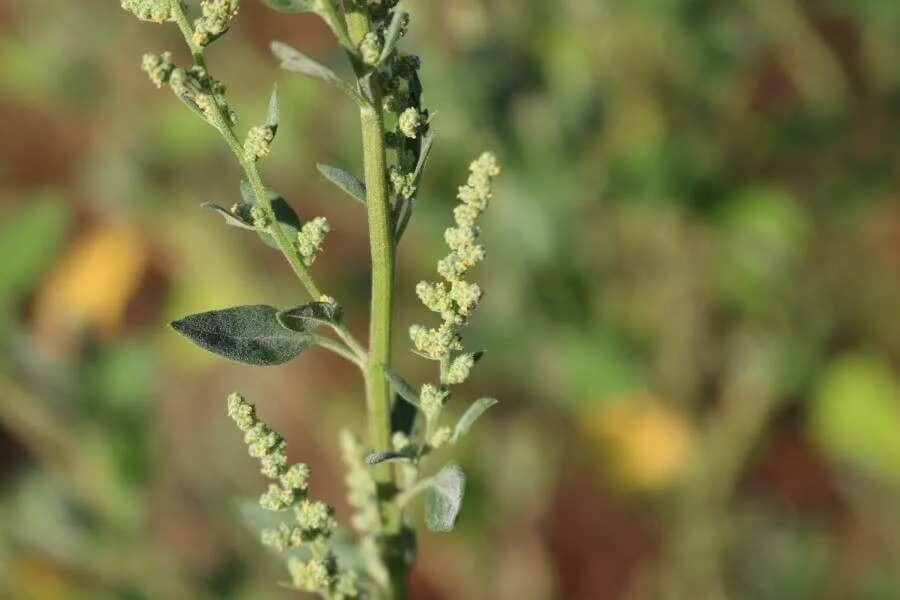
x,y
311,315
470,416
272,115
344,180
373,458
424,152
284,214
393,32
237,218
402,388
291,5
444,498
247,334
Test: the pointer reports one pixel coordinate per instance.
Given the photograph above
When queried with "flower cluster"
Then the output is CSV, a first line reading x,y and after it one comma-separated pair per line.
x,y
156,11
313,521
454,299
310,238
214,20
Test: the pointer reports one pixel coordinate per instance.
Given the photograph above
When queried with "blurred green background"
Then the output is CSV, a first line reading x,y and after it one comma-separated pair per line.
x,y
692,284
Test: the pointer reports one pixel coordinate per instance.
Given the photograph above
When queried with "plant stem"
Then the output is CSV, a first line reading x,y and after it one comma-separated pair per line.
x,y
223,125
381,247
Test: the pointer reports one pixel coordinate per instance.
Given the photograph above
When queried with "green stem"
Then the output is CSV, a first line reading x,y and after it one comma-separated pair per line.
x,y
329,14
337,348
381,248
220,121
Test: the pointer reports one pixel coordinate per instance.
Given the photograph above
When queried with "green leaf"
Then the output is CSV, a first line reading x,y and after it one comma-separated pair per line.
x,y
444,498
292,6
310,315
373,458
284,214
246,334
297,62
235,219
344,180
272,115
393,32
424,153
402,387
470,416
29,241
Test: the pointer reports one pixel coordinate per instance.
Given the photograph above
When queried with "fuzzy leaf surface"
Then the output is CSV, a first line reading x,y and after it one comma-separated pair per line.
x,y
402,387
309,316
344,180
284,214
248,334
444,498
470,416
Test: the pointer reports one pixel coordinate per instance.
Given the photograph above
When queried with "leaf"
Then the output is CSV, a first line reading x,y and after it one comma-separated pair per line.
x,y
393,32
284,214
246,334
470,416
298,62
292,6
344,180
424,153
272,115
235,219
444,498
373,458
310,315
402,387
29,241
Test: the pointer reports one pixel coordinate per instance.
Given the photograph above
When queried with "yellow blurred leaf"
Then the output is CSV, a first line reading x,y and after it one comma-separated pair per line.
x,y
645,443
92,284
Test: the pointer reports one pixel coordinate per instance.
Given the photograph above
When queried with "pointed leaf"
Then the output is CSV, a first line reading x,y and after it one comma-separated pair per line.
x,y
424,153
235,219
373,458
298,62
246,334
344,180
311,315
470,416
272,115
444,498
284,214
291,6
393,32
402,388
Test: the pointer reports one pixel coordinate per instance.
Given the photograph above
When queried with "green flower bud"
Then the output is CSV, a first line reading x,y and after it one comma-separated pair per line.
x,y
440,437
310,238
156,11
158,67
296,477
459,369
432,400
258,140
370,48
409,122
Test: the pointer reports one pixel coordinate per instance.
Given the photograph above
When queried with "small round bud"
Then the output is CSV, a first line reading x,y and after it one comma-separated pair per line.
x,y
409,121
158,67
370,48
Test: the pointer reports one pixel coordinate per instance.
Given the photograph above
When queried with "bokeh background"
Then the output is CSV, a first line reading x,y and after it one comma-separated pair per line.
x,y
691,313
